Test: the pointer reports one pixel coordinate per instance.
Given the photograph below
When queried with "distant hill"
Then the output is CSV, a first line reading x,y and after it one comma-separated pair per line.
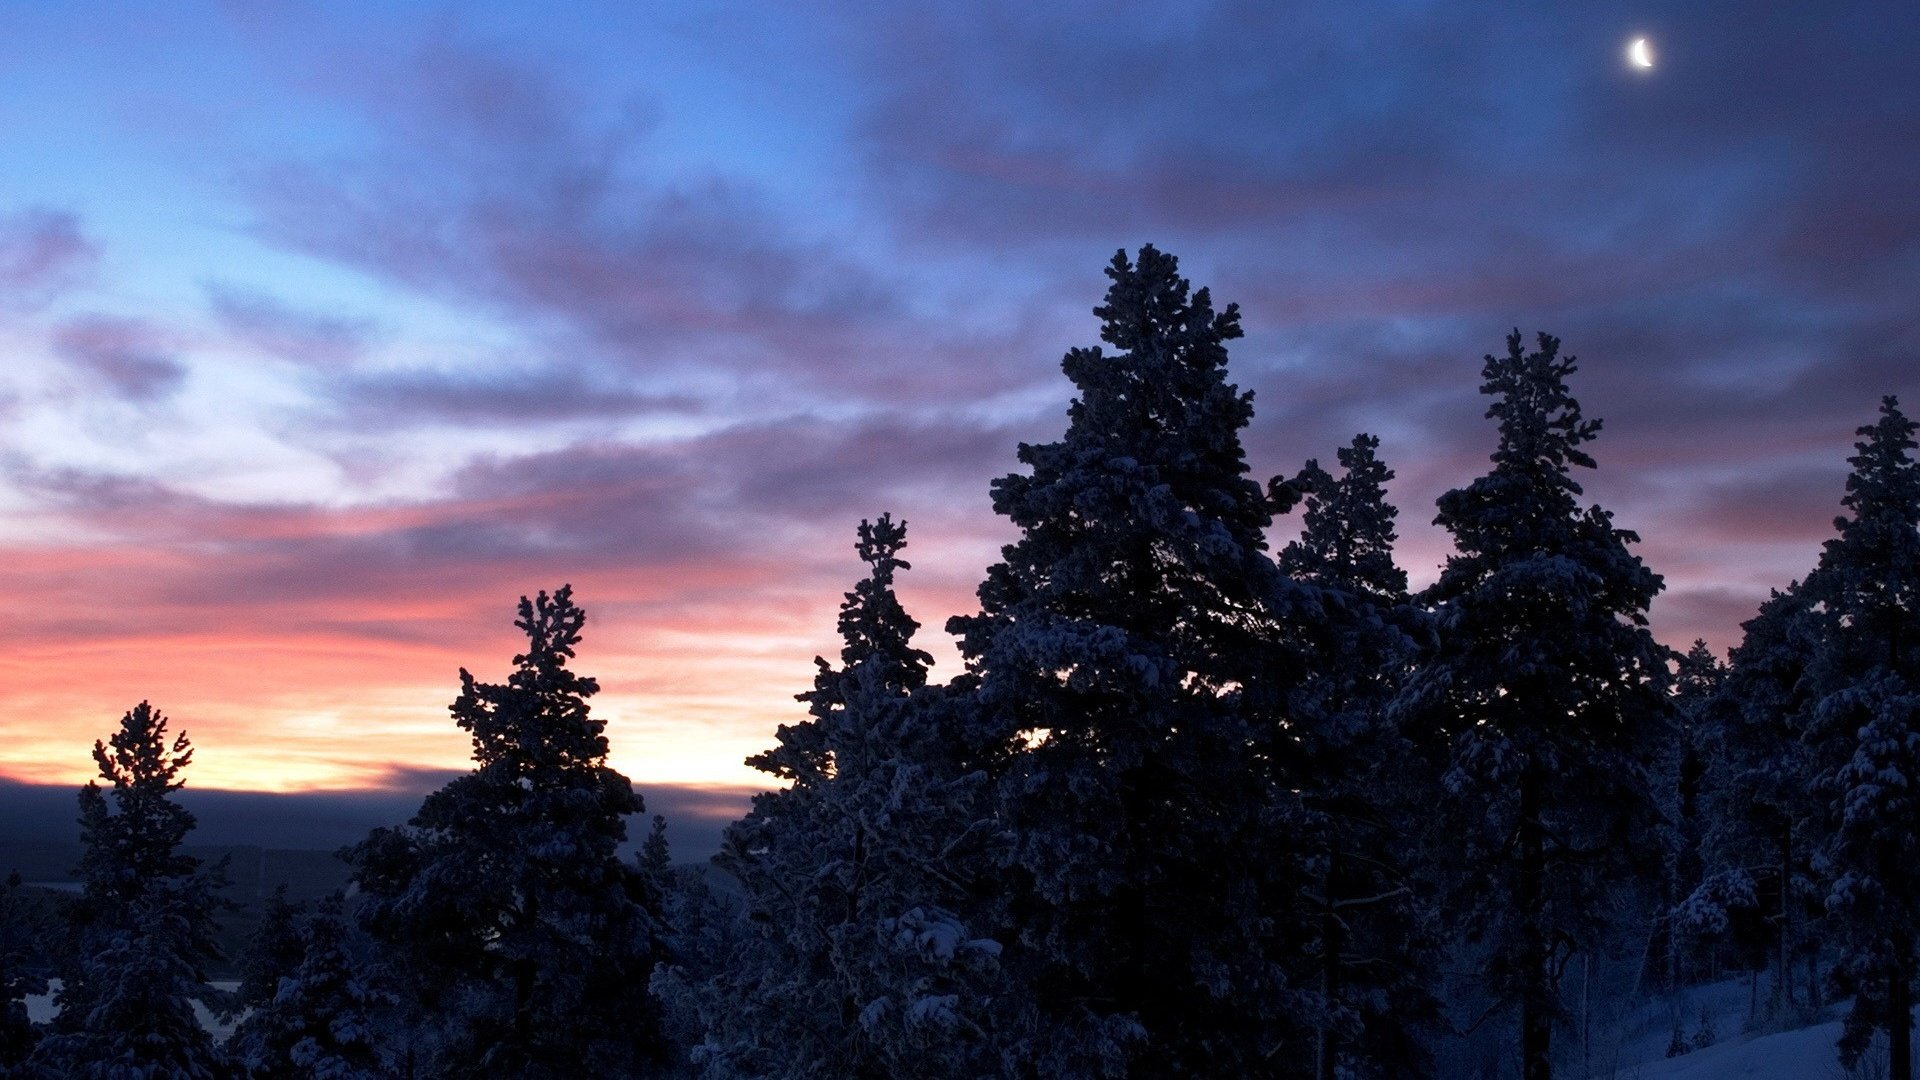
x,y
290,837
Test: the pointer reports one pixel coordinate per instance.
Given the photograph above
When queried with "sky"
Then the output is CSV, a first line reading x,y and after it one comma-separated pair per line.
x,y
328,330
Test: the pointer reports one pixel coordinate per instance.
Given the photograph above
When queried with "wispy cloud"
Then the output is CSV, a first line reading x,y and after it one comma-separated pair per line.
x,y
450,309
42,252
129,357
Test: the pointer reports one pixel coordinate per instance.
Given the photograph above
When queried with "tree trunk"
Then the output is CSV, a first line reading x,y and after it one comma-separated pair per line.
x,y
1586,1014
1332,941
1900,1021
1813,975
1783,984
1536,999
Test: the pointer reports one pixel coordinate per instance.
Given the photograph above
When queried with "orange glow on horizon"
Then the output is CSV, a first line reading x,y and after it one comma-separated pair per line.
x,y
338,689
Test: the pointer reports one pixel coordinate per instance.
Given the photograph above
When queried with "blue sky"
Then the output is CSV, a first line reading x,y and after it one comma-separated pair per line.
x,y
331,329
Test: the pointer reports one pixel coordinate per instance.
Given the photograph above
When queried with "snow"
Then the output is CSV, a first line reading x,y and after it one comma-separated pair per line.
x,y
1638,1050
1806,1054
40,1008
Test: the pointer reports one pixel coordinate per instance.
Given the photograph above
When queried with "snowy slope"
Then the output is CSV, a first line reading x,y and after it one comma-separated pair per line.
x,y
1806,1054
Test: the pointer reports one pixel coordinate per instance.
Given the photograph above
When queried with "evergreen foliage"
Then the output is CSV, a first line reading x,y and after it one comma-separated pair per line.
x,y
1368,782
848,958
1677,777
1131,656
273,951
521,941
21,964
1347,529
1866,728
1191,810
323,1019
144,924
1550,688
1760,814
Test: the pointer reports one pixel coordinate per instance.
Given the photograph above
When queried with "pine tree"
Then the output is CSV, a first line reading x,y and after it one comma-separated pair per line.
x,y
1677,778
323,1017
1368,781
21,959
1758,811
144,922
273,951
1697,678
1130,653
1550,687
1347,529
1867,722
850,959
525,941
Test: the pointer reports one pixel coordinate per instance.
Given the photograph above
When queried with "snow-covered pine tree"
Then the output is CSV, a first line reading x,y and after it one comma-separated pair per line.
x,y
1369,782
1129,650
523,939
1867,728
21,954
1550,686
1677,775
273,951
1758,811
848,957
323,1017
1697,678
144,923
1347,528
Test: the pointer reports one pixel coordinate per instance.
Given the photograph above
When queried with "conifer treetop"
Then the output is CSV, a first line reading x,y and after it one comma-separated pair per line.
x,y
1874,561
1347,532
138,842
1140,513
542,693
1161,406
1883,466
872,622
1541,426
138,758
876,635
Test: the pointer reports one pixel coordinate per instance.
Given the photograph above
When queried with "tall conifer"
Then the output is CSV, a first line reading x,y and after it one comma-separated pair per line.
x,y
1369,784
144,930
1867,726
852,959
1129,649
524,940
1549,686
1760,817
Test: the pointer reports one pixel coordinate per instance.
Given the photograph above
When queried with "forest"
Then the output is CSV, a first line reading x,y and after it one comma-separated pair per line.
x,y
1195,807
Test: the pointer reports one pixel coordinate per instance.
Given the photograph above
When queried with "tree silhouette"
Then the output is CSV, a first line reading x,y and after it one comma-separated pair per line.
x,y
1549,686
144,929
522,940
1130,650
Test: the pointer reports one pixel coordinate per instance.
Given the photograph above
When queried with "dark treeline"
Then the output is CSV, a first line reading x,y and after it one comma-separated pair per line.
x,y
1194,808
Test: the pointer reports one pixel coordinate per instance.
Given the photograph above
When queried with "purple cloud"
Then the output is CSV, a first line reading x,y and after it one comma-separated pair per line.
x,y
263,323
491,394
41,253
129,356
495,185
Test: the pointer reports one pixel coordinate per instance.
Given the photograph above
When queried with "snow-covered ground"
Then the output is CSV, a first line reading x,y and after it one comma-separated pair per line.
x,y
1635,1050
1638,1049
1806,1054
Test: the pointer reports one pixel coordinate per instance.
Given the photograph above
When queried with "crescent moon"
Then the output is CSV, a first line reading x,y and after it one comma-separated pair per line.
x,y
1640,54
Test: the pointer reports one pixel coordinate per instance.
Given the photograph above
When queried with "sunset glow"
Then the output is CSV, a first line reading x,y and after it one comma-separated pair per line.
x,y
331,331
